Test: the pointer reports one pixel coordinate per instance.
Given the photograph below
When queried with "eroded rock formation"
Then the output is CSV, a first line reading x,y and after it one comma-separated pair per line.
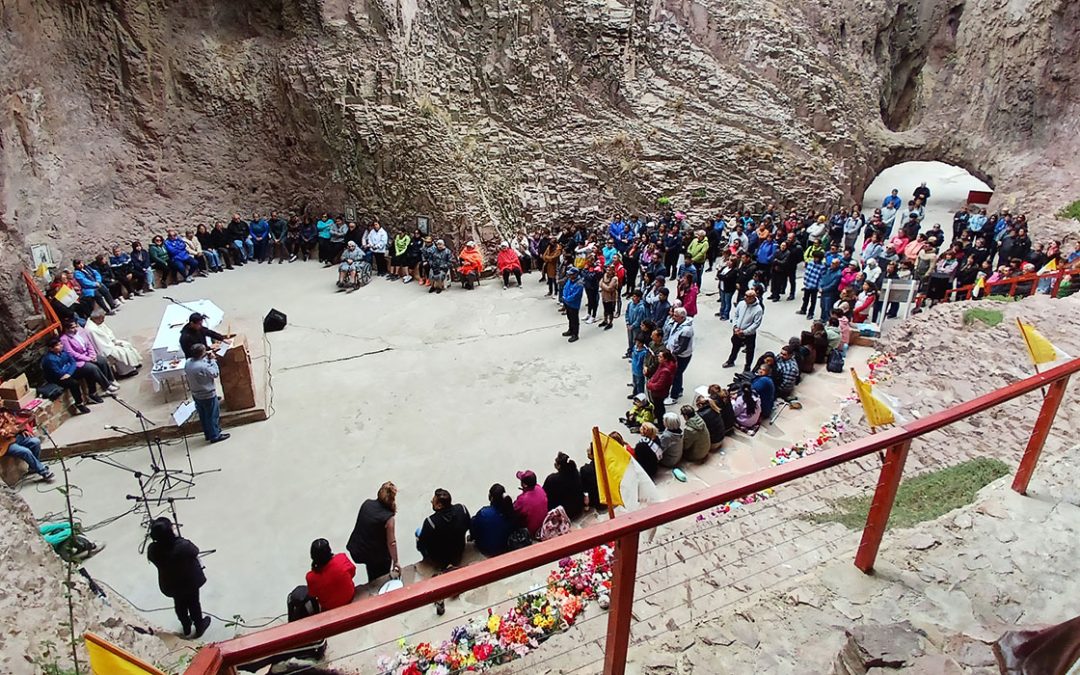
x,y
123,116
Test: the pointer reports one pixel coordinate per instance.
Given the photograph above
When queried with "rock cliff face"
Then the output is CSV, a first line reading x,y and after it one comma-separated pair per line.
x,y
120,117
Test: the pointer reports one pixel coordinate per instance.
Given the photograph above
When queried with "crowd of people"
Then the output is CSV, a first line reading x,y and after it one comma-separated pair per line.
x,y
648,272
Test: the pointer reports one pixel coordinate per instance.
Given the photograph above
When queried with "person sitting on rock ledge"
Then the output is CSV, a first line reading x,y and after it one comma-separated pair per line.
x,y
18,440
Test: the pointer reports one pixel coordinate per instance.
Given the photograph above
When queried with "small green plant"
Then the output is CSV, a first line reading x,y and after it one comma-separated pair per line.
x,y
990,317
1071,211
700,193
48,662
921,498
663,201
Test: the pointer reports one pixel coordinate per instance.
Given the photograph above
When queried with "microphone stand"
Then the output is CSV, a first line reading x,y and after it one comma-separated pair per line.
x,y
145,430
138,476
168,477
187,449
178,303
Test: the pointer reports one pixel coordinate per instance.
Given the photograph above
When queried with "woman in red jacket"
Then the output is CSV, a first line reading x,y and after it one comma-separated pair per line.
x,y
330,580
659,385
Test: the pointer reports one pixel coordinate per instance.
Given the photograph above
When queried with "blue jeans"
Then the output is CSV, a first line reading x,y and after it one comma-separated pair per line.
x,y
725,305
827,302
213,258
28,449
245,247
681,362
209,416
261,248
639,384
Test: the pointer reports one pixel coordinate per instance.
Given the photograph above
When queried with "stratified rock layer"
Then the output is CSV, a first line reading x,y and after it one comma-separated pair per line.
x,y
122,117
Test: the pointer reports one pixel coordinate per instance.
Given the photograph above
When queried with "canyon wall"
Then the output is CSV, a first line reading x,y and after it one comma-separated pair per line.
x,y
123,117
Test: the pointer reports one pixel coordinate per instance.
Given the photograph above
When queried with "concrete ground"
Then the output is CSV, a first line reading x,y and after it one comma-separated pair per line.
x,y
390,383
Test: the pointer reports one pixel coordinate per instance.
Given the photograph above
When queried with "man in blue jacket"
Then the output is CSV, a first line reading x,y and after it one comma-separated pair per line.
x,y
830,287
180,259
635,314
766,251
60,369
571,300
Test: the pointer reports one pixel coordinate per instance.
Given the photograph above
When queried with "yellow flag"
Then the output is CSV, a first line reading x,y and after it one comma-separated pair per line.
x,y
1049,267
66,296
108,659
877,413
42,271
616,459
1039,348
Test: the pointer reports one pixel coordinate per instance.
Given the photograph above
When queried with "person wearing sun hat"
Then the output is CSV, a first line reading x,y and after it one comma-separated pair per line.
x,y
532,504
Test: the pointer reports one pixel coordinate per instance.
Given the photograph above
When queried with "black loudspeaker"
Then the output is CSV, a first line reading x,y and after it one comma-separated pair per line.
x,y
274,321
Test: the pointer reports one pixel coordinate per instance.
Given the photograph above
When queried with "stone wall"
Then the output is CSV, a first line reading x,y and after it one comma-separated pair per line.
x,y
122,117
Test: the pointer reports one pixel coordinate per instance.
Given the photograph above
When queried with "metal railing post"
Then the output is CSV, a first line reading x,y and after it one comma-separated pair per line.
x,y
1047,413
892,470
208,661
623,578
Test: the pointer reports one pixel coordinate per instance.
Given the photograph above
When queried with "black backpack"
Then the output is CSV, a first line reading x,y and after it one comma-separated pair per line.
x,y
836,361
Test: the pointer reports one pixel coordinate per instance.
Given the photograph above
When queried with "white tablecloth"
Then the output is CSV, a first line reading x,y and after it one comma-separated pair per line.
x,y
167,343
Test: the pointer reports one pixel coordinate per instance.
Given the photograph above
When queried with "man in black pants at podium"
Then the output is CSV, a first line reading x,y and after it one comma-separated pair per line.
x,y
194,333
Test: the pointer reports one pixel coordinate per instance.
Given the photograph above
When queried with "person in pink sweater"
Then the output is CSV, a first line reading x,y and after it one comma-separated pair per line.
x,y
78,343
532,504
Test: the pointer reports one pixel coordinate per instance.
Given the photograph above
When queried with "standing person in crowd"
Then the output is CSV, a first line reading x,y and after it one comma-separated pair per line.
x,y
563,488
571,301
338,229
509,263
18,440
379,242
829,286
531,504
745,322
728,276
330,580
201,372
680,342
180,574
815,269
779,272
59,368
551,255
609,295
635,314
441,537
326,251
373,542
492,524
698,250
399,262
660,382
637,365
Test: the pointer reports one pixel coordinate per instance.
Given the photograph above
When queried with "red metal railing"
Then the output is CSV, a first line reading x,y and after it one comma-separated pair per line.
x,y
41,304
625,529
996,288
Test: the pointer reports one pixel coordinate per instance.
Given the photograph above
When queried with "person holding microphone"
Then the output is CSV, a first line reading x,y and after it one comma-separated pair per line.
x,y
201,372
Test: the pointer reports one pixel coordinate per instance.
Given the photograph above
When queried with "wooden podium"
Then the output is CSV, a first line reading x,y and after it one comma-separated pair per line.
x,y
237,382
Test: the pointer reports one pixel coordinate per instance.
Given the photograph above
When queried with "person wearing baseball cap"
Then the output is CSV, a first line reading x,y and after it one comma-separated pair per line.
x,y
571,300
532,504
194,332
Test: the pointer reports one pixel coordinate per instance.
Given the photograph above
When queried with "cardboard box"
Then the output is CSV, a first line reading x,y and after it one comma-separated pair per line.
x,y
14,389
22,403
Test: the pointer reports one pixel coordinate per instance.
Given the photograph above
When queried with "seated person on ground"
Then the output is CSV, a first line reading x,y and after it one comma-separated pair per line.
x,y
491,526
747,407
640,413
330,580
647,452
17,440
441,537
765,387
696,439
563,488
351,259
671,440
787,368
531,504
78,343
709,412
588,481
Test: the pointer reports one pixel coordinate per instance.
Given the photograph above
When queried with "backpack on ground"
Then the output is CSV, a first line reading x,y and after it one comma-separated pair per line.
x,y
836,361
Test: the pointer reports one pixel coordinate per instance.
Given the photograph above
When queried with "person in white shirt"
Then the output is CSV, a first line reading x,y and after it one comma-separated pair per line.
x,y
378,241
746,321
121,354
